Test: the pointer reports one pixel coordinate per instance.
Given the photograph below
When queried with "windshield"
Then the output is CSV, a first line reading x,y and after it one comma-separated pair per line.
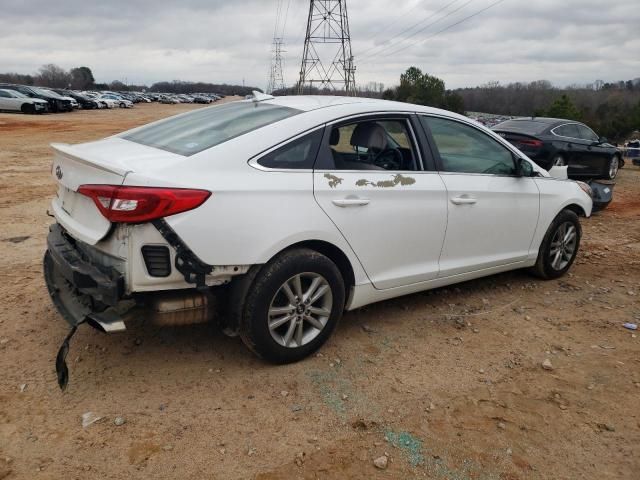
x,y
196,131
46,93
16,94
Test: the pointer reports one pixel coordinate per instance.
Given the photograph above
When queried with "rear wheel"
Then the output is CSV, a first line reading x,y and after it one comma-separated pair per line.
x,y
292,306
559,247
613,166
558,161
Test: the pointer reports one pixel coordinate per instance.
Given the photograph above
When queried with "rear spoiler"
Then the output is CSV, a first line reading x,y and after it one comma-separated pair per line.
x,y
69,151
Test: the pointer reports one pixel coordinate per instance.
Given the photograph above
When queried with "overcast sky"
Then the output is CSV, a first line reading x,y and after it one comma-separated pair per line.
x,y
143,41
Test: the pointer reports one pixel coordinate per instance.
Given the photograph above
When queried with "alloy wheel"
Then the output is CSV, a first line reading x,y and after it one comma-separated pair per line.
x,y
563,246
613,167
300,309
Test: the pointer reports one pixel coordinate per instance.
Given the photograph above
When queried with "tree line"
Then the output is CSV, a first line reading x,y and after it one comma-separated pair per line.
x,y
611,109
81,78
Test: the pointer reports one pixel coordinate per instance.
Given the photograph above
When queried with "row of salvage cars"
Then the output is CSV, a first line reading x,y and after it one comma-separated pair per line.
x,y
31,99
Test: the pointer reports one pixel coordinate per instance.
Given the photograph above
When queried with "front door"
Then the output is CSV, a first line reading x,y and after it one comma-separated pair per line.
x,y
369,181
492,212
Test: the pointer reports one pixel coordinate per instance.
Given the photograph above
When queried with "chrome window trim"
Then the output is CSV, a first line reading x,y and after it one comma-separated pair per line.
x,y
253,161
572,138
391,113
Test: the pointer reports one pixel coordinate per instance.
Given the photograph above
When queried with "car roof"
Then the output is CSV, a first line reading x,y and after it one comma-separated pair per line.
x,y
308,103
548,120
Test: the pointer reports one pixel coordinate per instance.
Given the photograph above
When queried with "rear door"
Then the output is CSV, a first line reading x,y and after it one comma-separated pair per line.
x,y
369,179
595,157
493,214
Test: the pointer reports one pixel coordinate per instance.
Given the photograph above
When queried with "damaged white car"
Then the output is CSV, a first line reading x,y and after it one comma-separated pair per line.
x,y
274,215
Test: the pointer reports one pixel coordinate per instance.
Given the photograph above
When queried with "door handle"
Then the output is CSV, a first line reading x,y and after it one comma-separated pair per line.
x,y
351,202
463,200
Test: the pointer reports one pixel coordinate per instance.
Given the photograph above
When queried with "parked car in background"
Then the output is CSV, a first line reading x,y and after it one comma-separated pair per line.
x,y
291,210
55,101
72,100
85,102
201,99
169,99
555,142
116,100
14,101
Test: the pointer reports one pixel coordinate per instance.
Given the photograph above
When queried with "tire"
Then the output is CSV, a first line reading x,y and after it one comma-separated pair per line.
x,y
558,161
277,328
611,171
547,265
28,108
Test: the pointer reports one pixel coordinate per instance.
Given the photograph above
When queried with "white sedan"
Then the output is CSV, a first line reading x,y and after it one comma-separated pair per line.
x,y
113,101
14,101
287,211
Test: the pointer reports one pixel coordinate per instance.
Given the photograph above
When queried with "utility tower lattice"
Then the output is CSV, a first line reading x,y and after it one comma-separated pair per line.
x,y
276,79
327,40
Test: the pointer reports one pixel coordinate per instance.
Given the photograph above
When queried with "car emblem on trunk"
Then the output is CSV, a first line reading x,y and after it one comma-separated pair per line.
x,y
58,173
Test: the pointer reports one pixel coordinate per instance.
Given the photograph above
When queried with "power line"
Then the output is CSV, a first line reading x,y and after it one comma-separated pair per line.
x,y
386,42
421,29
400,16
448,27
284,24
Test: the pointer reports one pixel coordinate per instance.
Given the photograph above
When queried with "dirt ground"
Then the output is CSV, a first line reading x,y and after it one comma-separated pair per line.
x,y
449,384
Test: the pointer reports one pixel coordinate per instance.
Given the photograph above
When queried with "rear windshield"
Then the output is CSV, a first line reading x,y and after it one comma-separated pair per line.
x,y
196,131
524,126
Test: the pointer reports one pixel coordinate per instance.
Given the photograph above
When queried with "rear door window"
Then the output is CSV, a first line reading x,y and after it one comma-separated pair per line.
x,y
374,144
569,130
201,129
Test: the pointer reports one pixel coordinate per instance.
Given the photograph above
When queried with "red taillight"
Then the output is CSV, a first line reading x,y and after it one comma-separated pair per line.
x,y
142,204
530,143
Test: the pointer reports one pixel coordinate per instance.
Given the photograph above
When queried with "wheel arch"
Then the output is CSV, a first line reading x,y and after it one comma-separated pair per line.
x,y
233,307
575,208
333,253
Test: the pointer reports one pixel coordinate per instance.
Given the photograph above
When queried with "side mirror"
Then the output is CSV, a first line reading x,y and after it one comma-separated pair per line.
x,y
523,168
603,140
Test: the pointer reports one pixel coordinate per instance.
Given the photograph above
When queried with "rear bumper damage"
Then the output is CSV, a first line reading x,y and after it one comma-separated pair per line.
x,y
85,291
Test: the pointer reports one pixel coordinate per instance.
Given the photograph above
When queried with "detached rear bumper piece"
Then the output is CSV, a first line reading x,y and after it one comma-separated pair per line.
x,y
78,288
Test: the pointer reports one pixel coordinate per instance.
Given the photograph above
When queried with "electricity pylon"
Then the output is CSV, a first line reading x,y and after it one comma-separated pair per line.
x,y
327,61
276,79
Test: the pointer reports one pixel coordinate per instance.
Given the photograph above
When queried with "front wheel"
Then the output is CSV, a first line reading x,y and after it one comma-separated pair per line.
x,y
559,247
292,306
28,108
